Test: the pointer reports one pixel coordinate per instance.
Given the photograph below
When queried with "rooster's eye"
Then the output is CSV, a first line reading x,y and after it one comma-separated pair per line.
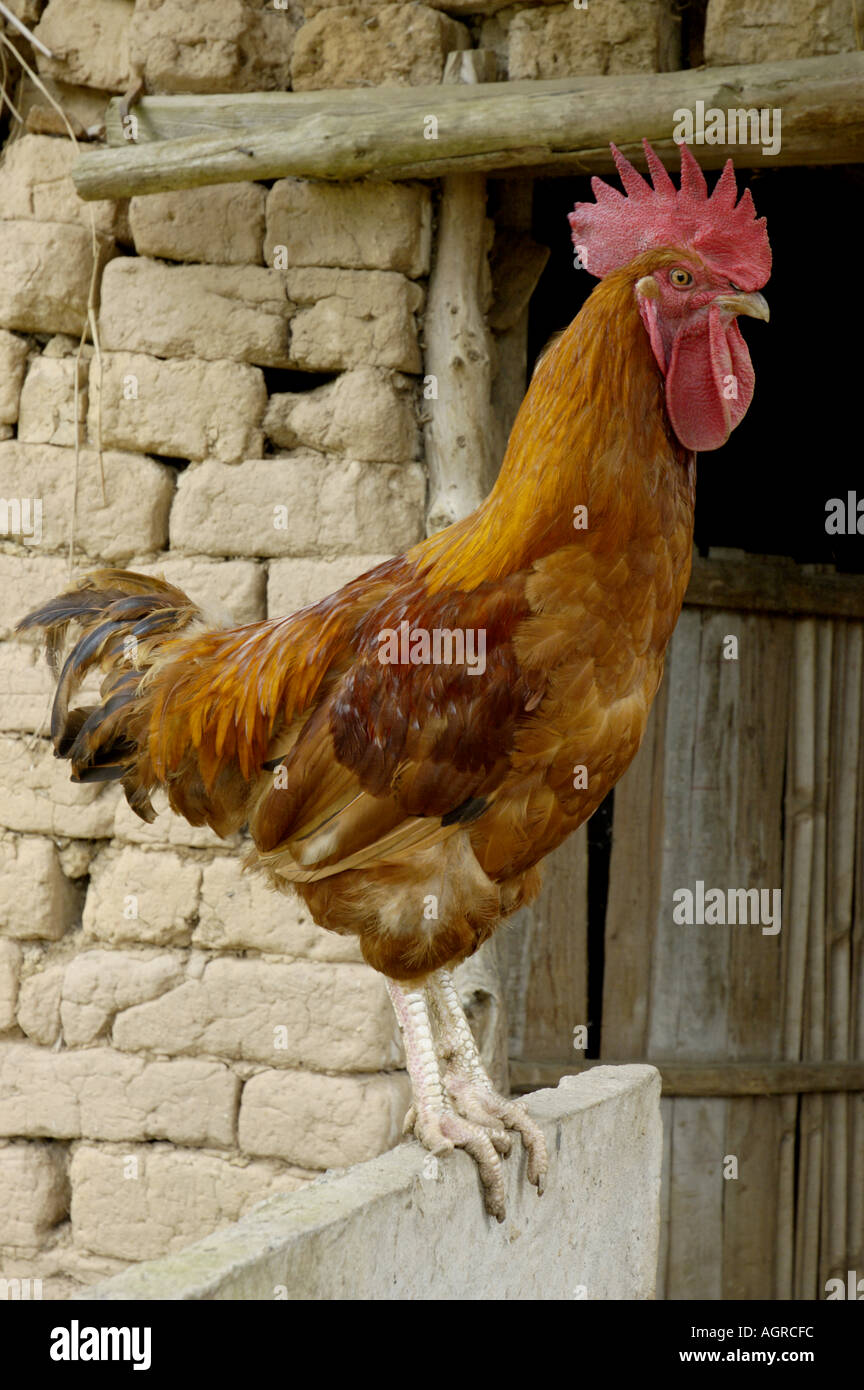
x,y
680,278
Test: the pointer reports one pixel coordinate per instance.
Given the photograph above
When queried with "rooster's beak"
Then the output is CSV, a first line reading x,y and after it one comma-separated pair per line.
x,y
755,306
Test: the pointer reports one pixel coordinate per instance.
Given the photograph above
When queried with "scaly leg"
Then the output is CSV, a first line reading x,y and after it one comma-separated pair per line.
x,y
432,1118
464,1110
468,1084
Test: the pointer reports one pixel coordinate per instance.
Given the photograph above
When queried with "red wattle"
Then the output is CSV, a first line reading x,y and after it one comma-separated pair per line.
x,y
709,385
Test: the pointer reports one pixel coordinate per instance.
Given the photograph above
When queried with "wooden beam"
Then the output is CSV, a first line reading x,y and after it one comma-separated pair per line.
x,y
756,586
709,1078
559,126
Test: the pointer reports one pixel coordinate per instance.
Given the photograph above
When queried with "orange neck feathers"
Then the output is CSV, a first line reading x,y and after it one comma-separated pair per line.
x,y
592,431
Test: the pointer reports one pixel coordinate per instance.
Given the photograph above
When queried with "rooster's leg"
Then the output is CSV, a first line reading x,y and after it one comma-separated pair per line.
x,y
460,1109
432,1118
467,1083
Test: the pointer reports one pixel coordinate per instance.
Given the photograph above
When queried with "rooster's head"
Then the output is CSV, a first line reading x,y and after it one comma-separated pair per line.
x,y
696,263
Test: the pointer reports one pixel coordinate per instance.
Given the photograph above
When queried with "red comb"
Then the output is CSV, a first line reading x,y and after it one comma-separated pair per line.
x,y
620,226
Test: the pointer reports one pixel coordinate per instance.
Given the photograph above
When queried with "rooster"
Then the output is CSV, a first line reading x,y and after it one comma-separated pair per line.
x,y
408,800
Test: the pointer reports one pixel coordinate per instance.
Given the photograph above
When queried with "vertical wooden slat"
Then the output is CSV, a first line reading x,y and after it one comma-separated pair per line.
x,y
797,860
666,1118
755,958
845,752
855,1214
799,837
696,1200
809,1197
688,1016
753,1133
545,949
798,866
670,961
635,872
784,1206
754,1127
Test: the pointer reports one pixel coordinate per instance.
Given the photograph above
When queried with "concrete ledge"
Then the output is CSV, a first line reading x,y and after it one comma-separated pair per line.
x,y
386,1229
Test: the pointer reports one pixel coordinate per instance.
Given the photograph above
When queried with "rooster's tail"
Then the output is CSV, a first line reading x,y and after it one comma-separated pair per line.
x,y
122,623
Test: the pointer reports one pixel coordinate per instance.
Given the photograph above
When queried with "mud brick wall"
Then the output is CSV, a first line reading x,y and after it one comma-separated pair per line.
x,y
176,1043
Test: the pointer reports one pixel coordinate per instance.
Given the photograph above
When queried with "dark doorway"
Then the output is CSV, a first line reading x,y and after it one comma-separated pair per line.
x,y
766,490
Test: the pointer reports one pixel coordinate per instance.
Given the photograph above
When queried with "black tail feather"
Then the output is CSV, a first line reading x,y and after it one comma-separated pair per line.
x,y
122,619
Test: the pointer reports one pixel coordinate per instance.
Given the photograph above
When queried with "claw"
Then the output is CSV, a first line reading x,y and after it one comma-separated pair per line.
x,y
443,1131
483,1106
516,1117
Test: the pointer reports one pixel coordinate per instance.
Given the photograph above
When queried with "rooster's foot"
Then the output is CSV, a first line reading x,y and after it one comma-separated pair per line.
x,y
468,1086
441,1131
483,1105
456,1105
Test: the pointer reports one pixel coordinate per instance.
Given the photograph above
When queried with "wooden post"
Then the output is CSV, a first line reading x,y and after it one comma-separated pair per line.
x,y
459,457
458,365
